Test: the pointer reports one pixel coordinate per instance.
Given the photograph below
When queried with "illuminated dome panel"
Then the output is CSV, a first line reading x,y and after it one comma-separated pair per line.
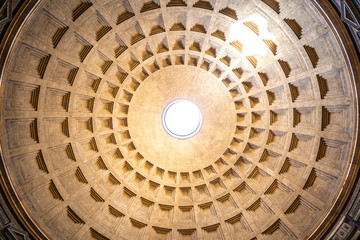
x,y
147,109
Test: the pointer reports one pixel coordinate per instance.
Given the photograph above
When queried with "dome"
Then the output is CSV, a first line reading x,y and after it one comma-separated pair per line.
x,y
87,88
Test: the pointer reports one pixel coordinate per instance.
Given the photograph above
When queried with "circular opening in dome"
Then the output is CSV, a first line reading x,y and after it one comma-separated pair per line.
x,y
182,119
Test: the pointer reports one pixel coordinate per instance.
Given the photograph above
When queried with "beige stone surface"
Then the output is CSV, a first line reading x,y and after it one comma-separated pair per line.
x,y
204,90
83,91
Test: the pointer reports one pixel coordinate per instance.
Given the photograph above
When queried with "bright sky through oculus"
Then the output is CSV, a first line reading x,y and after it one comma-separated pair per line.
x,y
182,119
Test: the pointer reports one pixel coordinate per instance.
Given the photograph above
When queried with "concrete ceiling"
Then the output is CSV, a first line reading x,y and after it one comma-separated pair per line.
x,y
84,88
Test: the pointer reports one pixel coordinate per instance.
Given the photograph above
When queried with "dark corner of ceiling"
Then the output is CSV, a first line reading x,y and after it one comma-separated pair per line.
x,y
8,9
10,226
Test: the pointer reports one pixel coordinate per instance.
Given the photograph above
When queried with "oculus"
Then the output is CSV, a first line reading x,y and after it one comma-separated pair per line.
x,y
182,119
